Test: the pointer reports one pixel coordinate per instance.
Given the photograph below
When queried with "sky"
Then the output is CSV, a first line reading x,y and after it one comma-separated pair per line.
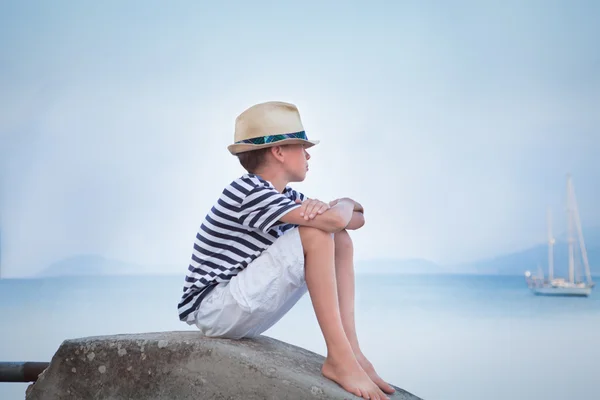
x,y
453,124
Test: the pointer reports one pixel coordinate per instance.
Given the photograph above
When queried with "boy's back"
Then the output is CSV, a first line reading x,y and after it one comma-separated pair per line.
x,y
239,227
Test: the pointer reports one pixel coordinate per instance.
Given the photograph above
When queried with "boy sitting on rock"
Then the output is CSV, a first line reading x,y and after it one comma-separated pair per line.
x,y
263,245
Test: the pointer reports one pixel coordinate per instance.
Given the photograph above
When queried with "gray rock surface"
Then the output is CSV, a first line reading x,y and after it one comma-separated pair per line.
x,y
185,365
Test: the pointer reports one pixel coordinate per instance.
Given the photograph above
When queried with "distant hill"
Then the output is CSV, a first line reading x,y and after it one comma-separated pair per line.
x,y
515,263
507,264
95,265
518,262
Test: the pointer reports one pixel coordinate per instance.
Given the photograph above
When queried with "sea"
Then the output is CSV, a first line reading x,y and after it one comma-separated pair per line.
x,y
441,337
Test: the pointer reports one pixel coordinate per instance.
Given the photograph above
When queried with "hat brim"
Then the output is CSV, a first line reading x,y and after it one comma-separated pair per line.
x,y
243,147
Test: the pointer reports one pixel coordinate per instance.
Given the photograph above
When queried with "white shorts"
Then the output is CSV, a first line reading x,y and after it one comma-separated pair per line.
x,y
259,296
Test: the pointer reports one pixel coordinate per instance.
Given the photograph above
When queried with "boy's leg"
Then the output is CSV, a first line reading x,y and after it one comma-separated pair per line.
x,y
341,364
344,268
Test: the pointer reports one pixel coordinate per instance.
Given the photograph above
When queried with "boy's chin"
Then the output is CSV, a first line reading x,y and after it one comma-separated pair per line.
x,y
298,178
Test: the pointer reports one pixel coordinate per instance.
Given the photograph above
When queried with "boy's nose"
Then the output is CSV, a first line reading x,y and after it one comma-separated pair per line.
x,y
307,155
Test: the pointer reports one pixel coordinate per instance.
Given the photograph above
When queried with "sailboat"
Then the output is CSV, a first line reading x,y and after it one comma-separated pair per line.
x,y
572,286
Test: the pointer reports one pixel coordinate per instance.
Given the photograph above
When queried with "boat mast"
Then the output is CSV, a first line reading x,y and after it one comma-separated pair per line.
x,y
570,238
580,236
550,247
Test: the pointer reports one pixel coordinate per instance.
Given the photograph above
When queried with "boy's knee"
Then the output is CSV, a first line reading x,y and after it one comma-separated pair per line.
x,y
314,237
343,241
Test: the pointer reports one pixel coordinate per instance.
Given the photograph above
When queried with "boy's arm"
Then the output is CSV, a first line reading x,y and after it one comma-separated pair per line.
x,y
312,208
333,220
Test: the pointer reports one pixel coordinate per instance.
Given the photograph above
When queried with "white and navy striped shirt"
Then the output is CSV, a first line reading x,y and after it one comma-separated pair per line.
x,y
239,227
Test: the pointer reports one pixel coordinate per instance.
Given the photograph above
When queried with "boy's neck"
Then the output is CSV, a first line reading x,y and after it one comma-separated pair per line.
x,y
278,180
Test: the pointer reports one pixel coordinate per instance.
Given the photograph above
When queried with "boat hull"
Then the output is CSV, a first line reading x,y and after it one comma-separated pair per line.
x,y
562,291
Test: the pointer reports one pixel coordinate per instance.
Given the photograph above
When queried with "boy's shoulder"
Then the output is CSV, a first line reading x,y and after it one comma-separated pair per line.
x,y
250,184
294,194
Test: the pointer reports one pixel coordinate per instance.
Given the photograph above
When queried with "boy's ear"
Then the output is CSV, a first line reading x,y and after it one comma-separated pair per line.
x,y
277,152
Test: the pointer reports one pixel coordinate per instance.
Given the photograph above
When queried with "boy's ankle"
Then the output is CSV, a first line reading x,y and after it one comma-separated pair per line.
x,y
340,352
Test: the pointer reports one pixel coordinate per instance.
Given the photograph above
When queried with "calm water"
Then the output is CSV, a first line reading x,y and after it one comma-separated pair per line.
x,y
440,337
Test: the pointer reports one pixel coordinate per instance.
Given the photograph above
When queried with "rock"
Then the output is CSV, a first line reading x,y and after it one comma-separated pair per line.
x,y
185,365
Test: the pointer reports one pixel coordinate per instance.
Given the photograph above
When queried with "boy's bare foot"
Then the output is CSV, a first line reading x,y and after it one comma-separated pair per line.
x,y
370,370
350,376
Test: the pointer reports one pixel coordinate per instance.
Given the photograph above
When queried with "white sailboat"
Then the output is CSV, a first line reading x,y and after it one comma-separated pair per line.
x,y
573,286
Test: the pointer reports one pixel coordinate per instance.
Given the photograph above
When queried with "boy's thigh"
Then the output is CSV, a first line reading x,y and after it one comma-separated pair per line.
x,y
272,277
259,292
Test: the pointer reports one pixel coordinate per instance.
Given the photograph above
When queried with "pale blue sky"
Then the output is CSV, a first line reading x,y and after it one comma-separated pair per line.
x,y
454,124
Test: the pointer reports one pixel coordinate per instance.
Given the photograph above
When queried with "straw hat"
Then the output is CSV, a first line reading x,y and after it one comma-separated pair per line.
x,y
266,125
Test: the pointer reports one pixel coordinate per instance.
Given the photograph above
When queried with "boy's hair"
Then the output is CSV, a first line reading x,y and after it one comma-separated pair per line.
x,y
251,160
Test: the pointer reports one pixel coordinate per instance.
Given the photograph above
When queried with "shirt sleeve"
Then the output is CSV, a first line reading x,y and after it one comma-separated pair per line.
x,y
263,207
295,195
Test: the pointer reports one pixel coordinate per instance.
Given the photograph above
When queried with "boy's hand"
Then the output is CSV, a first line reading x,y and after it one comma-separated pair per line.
x,y
311,208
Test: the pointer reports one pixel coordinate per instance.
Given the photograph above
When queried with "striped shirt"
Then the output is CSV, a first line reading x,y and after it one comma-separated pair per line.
x,y
239,227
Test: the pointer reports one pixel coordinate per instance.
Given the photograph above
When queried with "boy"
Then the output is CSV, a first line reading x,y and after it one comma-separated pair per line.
x,y
263,245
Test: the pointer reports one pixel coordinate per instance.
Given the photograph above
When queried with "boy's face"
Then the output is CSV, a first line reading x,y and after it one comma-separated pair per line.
x,y
296,162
